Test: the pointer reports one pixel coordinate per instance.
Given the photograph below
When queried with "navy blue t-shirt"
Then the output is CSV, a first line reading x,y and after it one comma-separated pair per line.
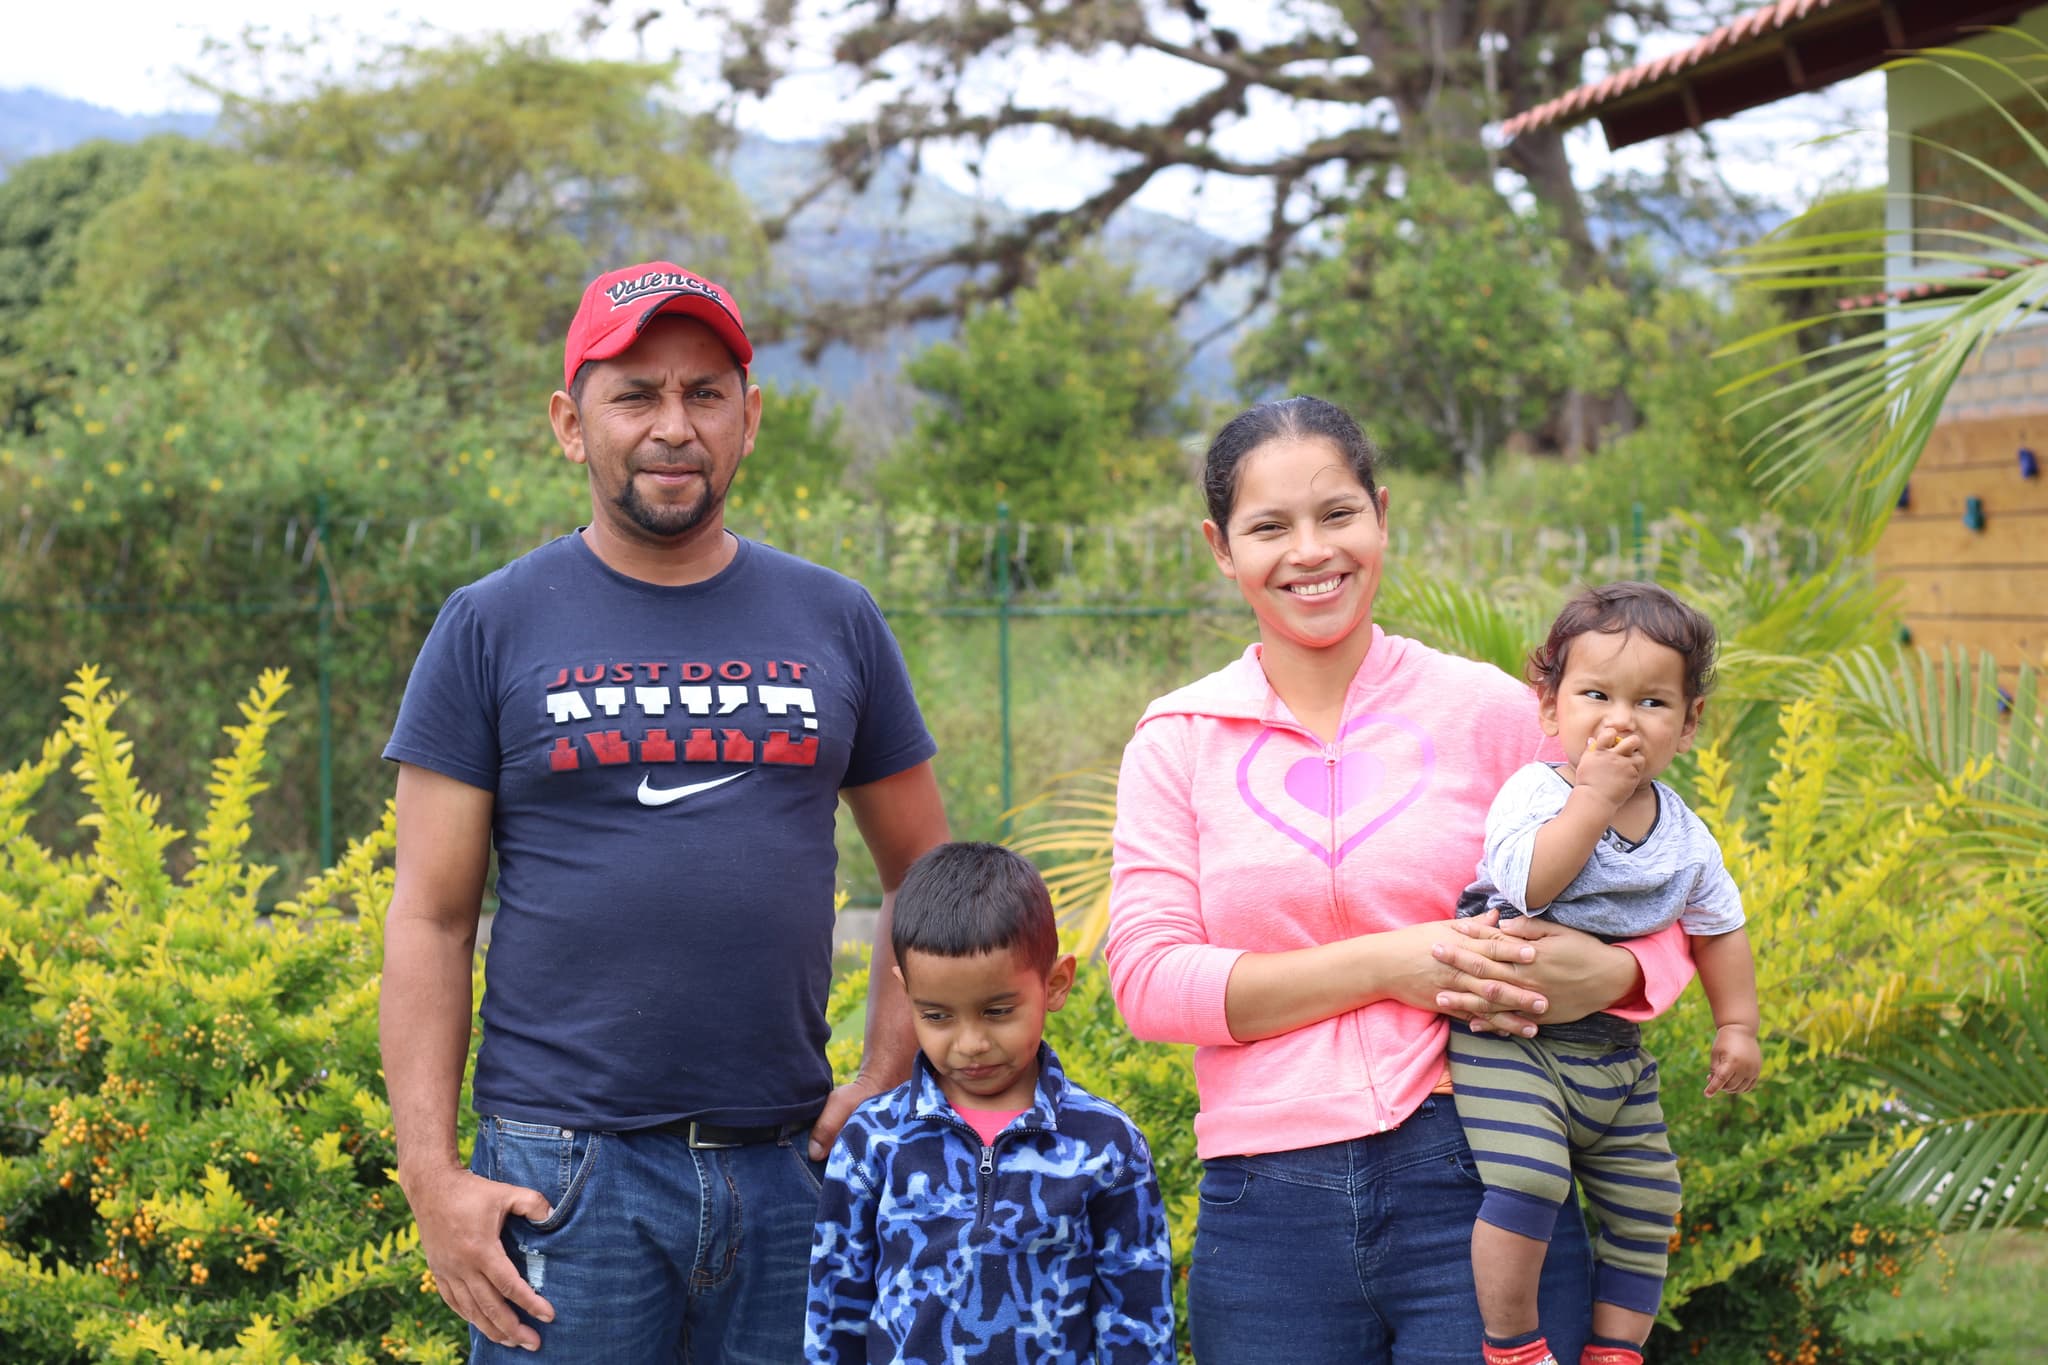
x,y
666,763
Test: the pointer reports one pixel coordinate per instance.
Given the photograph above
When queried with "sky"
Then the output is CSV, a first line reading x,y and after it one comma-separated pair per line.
x,y
137,51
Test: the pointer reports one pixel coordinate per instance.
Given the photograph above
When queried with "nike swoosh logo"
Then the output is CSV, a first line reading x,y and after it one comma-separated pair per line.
x,y
651,795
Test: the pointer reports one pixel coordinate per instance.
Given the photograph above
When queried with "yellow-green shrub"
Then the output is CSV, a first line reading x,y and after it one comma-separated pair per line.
x,y
1853,904
195,1149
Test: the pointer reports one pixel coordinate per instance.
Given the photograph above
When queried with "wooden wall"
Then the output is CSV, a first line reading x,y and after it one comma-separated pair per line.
x,y
1980,590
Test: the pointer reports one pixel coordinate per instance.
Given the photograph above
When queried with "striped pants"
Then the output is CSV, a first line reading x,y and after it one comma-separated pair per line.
x,y
1577,1099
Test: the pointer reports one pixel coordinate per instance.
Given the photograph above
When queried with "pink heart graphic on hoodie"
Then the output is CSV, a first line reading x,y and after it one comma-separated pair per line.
x,y
1318,803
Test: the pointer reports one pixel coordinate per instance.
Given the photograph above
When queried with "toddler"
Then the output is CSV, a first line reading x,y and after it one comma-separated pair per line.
x,y
1597,843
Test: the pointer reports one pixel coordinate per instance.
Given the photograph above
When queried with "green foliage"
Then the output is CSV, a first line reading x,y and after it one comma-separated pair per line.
x,y
419,219
1852,906
1978,1069
1853,412
195,1151
1061,401
1441,321
801,450
45,204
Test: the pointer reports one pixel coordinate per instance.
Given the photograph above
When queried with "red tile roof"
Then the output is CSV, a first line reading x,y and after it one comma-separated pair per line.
x,y
1968,283
1764,56
1587,98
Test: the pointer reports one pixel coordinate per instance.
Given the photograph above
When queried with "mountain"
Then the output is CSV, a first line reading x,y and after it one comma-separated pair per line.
x,y
830,253
36,123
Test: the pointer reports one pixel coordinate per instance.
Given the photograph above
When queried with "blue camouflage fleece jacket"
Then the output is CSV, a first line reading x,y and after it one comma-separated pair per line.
x,y
1046,1248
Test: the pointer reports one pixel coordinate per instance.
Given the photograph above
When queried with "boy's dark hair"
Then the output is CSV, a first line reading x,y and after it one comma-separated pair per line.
x,y
1617,609
963,900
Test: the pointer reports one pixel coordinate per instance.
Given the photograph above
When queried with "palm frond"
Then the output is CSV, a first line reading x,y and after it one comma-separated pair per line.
x,y
1497,624
1864,408
1975,1078
1070,839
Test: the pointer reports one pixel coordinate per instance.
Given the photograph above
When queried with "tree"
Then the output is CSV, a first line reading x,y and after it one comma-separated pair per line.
x,y
1394,83
44,208
1061,402
433,213
1441,319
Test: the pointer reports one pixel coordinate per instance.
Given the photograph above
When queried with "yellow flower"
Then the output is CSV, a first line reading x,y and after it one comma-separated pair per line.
x,y
383,462
802,492
214,485
803,514
78,504
95,427
495,493
114,468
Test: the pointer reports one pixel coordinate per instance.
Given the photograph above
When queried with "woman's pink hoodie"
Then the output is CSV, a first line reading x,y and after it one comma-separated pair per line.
x,y
1239,831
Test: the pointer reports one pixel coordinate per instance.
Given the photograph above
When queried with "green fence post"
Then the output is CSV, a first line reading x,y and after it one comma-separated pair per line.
x,y
324,665
1003,646
1636,533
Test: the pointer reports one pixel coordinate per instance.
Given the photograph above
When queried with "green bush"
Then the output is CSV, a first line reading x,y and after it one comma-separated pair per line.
x,y
195,1151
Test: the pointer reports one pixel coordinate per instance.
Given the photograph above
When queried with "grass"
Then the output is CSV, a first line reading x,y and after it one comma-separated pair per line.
x,y
1994,1282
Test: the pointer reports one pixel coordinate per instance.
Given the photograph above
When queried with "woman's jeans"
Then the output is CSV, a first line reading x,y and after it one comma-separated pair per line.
x,y
1360,1253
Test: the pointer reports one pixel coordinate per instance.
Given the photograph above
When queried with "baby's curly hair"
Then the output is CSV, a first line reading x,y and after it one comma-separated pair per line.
x,y
1617,609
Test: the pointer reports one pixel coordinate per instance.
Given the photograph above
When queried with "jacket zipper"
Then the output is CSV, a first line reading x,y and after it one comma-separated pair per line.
x,y
1372,1089
986,1168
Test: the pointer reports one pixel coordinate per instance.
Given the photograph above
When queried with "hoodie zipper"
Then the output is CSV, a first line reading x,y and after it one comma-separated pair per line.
x,y
1372,1089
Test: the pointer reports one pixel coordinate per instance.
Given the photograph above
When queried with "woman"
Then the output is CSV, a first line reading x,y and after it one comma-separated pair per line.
x,y
1292,835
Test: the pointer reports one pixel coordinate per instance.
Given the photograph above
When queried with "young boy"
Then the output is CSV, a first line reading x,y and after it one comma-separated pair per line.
x,y
988,1208
1598,844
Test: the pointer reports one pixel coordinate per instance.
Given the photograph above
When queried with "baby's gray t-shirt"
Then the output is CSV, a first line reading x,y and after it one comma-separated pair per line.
x,y
1626,890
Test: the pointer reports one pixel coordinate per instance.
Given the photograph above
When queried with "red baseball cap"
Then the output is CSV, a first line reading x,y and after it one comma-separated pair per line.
x,y
619,304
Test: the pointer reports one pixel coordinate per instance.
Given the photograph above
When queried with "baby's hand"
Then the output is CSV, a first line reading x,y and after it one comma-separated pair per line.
x,y
1612,766
1736,1060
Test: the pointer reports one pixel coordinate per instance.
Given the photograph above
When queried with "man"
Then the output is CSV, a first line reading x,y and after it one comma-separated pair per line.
x,y
653,721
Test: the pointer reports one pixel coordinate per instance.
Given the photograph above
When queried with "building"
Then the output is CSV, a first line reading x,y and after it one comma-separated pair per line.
x,y
1967,550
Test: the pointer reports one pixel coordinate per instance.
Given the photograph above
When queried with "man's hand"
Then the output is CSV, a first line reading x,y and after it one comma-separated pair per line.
x,y
461,1215
839,1107
1736,1060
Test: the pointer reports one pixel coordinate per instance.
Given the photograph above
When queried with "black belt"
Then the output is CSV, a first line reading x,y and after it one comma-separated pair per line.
x,y
1595,1030
714,1136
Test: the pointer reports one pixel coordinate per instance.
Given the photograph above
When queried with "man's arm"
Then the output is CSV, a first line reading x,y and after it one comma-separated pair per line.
x,y
444,837
899,818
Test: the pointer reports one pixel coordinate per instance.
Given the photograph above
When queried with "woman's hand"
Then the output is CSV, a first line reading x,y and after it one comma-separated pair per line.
x,y
1421,965
1470,969
1570,975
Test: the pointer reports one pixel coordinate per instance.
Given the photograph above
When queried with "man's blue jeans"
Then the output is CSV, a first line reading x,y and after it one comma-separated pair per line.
x,y
1360,1253
657,1252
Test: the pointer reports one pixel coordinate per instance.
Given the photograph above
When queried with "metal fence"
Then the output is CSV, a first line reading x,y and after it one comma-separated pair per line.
x,y
183,616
